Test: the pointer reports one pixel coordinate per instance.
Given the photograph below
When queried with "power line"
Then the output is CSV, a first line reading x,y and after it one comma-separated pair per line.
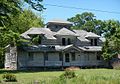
x,y
78,8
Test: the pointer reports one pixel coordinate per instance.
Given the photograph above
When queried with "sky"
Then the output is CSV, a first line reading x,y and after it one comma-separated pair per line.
x,y
53,12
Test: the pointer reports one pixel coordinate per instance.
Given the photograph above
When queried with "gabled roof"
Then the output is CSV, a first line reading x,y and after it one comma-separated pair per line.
x,y
46,31
71,47
65,31
82,35
59,21
90,34
32,31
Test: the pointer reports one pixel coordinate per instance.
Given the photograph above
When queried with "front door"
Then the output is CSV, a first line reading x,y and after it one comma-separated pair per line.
x,y
67,59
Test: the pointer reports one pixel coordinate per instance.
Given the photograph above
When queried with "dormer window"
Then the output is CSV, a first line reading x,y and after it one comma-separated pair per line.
x,y
56,26
63,41
95,42
69,41
91,42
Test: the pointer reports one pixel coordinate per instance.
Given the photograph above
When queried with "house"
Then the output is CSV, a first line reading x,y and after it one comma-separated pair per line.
x,y
58,46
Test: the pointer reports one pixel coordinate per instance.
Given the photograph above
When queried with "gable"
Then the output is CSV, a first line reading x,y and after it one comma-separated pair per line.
x,y
71,48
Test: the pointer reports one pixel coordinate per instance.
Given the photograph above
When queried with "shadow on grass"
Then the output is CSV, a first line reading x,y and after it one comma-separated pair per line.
x,y
25,71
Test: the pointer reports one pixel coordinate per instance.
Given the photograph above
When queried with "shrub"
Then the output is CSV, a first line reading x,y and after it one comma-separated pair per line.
x,y
116,65
68,74
8,77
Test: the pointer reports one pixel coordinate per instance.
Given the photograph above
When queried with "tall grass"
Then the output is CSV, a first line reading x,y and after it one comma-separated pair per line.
x,y
84,76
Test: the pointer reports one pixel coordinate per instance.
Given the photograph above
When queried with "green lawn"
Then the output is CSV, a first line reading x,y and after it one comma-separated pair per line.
x,y
84,76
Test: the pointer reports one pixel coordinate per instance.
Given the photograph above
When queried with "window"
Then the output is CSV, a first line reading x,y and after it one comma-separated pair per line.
x,y
46,56
67,58
63,41
98,55
60,57
73,56
91,42
30,56
69,41
95,42
56,26
39,40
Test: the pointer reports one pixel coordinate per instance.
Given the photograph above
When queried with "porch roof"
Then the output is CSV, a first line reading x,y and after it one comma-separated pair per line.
x,y
91,48
44,48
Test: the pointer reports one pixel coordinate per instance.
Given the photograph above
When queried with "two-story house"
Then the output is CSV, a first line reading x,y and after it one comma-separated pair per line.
x,y
58,46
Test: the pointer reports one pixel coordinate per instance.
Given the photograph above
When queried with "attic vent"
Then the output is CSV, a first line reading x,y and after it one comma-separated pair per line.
x,y
86,47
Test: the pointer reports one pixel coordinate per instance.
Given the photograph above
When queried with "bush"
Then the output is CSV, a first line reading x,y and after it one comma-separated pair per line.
x,y
8,77
68,74
116,65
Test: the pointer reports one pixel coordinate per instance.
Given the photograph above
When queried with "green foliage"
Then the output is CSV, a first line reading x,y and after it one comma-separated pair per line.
x,y
15,20
36,40
111,47
85,76
25,20
68,74
14,7
87,21
8,77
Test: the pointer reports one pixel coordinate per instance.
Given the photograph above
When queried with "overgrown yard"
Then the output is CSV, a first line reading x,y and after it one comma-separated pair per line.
x,y
84,76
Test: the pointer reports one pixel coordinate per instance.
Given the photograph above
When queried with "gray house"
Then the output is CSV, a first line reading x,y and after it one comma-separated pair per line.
x,y
58,46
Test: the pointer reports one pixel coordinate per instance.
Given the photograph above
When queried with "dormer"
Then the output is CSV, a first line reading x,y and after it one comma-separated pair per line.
x,y
56,25
93,38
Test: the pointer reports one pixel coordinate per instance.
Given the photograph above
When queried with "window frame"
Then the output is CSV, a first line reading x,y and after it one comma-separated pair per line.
x,y
73,57
67,57
63,41
95,42
68,41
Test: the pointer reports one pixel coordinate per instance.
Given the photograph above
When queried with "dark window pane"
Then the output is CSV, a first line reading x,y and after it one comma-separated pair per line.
x,y
39,40
91,42
95,42
69,41
73,56
63,41
67,58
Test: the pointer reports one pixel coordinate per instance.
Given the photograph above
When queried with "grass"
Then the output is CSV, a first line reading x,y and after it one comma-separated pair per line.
x,y
84,76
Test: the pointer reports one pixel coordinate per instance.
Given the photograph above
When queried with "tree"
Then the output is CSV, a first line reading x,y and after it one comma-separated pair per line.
x,y
13,7
15,20
111,47
25,20
87,21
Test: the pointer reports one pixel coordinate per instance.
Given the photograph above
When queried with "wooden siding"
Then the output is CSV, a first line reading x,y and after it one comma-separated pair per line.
x,y
81,59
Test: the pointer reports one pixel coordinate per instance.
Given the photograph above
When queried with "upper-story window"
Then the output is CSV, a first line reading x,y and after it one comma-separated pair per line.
x,y
93,42
63,41
69,41
66,41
